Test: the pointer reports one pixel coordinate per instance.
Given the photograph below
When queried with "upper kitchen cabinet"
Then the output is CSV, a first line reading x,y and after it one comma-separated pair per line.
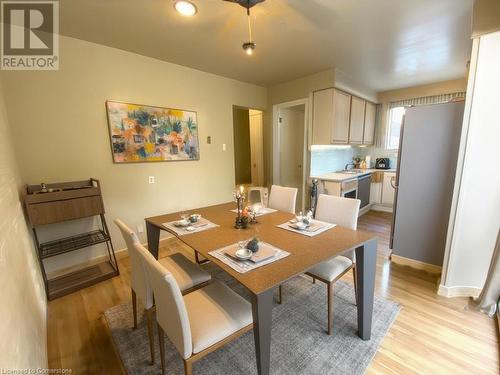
x,y
341,116
322,117
369,130
331,111
357,122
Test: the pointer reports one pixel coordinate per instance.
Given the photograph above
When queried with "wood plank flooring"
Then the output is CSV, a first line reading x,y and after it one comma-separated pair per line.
x,y
432,335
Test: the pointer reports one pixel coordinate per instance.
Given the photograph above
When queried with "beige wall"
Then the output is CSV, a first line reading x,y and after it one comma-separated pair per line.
x,y
486,17
23,310
61,132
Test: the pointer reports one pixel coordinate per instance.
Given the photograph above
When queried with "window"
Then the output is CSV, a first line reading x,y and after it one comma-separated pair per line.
x,y
395,116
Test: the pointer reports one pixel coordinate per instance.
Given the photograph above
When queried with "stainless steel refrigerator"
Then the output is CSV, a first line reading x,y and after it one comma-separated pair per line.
x,y
427,159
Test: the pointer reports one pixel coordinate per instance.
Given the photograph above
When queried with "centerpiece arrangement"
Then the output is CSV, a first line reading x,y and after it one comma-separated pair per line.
x,y
241,221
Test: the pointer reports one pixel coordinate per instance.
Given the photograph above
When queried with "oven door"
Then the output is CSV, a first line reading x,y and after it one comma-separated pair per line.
x,y
350,194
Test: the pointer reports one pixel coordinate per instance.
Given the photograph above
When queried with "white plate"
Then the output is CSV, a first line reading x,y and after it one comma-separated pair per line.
x,y
243,254
182,223
299,227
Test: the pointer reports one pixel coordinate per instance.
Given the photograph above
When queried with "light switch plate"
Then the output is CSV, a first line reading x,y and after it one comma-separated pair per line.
x,y
223,147
151,179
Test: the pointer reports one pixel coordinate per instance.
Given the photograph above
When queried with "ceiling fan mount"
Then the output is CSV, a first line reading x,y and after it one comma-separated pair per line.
x,y
247,4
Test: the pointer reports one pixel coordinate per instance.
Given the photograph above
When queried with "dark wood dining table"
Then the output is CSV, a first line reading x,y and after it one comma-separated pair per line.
x,y
305,252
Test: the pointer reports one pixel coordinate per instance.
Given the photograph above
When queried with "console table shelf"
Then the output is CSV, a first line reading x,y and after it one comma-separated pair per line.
x,y
65,245
55,203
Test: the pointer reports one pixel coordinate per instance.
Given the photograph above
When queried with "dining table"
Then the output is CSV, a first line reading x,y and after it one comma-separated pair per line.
x,y
305,252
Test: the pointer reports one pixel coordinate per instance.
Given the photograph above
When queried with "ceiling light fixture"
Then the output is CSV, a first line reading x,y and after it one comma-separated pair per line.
x,y
186,8
249,46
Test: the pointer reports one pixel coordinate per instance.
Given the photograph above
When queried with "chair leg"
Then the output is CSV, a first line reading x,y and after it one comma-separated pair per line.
x,y
314,280
149,316
329,287
161,336
280,294
355,279
134,307
188,368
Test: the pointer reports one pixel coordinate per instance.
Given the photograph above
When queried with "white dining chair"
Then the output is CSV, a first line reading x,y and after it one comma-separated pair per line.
x,y
343,212
283,198
188,275
199,322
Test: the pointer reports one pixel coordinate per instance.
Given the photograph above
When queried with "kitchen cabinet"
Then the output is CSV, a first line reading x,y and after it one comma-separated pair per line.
x,y
387,189
369,128
341,116
376,193
322,117
357,120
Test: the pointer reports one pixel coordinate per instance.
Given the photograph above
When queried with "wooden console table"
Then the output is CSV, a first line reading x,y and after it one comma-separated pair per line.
x,y
56,203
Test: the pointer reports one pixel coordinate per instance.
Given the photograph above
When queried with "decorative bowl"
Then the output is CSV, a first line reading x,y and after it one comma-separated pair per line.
x,y
194,218
243,254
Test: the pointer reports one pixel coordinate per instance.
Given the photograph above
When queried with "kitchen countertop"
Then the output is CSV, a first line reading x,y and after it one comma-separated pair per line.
x,y
341,177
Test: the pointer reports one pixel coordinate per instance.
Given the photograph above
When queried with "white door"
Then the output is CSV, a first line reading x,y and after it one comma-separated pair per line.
x,y
291,149
256,150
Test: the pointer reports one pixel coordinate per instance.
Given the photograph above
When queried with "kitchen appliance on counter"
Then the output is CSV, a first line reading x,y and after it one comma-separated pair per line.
x,y
382,163
430,136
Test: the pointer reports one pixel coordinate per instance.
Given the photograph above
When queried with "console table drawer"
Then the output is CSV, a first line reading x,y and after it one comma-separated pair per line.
x,y
57,211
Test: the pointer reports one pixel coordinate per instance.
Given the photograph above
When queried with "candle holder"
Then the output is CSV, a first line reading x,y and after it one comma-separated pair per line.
x,y
241,221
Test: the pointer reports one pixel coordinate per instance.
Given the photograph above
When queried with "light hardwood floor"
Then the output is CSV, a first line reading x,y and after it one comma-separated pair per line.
x,y
432,335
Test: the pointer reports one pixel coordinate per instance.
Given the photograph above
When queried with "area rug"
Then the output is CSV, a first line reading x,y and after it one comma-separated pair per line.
x,y
300,344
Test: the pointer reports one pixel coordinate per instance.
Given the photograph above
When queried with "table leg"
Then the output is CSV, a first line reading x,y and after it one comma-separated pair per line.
x,y
366,261
262,311
153,233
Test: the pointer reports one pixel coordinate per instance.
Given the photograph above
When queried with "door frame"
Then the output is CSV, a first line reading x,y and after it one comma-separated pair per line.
x,y
276,143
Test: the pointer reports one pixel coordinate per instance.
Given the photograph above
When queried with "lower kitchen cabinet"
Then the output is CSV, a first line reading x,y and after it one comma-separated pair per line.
x,y
388,190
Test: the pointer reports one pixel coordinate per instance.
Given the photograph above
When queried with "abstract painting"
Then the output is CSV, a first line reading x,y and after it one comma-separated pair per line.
x,y
141,133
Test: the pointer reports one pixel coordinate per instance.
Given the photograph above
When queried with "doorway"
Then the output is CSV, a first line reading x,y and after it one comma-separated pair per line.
x,y
248,146
289,156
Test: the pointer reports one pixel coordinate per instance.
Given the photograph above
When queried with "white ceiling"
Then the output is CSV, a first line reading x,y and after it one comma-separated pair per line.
x,y
384,44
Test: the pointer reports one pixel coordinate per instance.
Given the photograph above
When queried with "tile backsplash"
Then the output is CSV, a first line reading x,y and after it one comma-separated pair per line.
x,y
326,159
330,158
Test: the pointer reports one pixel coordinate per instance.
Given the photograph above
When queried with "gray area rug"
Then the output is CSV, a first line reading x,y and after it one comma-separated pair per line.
x,y
300,344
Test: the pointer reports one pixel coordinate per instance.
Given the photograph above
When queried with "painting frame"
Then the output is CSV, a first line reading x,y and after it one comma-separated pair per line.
x,y
122,152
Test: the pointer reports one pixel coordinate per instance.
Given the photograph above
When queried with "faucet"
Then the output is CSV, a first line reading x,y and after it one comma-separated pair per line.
x,y
347,166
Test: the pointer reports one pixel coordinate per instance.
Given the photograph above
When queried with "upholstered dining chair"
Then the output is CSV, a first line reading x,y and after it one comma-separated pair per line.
x,y
282,198
343,212
188,275
199,322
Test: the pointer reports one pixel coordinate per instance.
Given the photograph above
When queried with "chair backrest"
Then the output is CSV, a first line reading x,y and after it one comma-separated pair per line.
x,y
283,198
258,195
171,313
138,278
340,211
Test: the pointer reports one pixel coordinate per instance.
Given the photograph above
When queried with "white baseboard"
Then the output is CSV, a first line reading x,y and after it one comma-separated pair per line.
x,y
458,291
431,268
381,207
